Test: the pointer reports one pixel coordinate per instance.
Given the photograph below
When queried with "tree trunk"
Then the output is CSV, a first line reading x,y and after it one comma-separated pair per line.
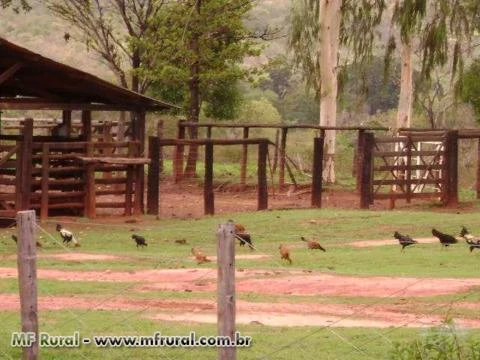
x,y
328,44
194,105
404,115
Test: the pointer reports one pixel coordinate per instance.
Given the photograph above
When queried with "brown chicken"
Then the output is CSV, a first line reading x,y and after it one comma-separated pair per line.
x,y
311,244
200,256
239,229
285,253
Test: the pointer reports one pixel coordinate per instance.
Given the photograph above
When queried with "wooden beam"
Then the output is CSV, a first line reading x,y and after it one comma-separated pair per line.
x,y
47,104
7,74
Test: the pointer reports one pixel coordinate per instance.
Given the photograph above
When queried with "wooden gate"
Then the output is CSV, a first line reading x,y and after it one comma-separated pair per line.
x,y
409,167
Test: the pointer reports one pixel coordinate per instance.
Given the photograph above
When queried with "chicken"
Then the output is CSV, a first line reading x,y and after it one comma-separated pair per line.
x,y
200,256
404,240
181,241
67,236
311,244
445,239
470,239
14,238
140,240
239,228
285,253
245,239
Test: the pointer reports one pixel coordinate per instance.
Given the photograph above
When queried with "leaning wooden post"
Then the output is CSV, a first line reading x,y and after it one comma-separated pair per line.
x,y
451,169
366,171
262,176
27,279
208,195
45,178
153,194
283,147
478,169
179,153
226,288
243,164
317,172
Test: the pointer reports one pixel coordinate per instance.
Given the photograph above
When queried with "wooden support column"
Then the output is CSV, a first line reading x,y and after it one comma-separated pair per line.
x,y
67,121
87,125
26,164
140,136
27,279
317,172
262,176
129,182
478,169
153,188
359,158
226,288
209,132
139,169
90,210
243,165
18,176
208,195
179,153
451,169
367,171
45,179
160,148
139,175
283,148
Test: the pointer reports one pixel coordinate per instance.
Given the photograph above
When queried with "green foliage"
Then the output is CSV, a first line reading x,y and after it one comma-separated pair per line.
x,y
470,90
223,100
443,343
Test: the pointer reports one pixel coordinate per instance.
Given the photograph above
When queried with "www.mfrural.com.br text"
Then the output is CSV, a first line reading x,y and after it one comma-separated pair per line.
x,y
75,340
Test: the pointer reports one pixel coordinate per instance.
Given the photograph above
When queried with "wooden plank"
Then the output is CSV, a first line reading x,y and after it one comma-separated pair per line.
x,y
262,177
67,146
208,195
110,192
53,195
8,155
182,142
45,178
113,160
66,205
115,180
153,181
111,205
12,70
366,190
27,279
401,195
59,170
282,158
400,182
39,104
377,153
244,159
282,126
226,288
404,167
317,172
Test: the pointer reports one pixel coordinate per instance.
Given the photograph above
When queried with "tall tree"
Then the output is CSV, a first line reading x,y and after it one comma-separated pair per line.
x,y
318,29
207,43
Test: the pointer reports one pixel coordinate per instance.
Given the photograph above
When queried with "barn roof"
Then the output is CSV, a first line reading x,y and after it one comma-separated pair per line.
x,y
31,81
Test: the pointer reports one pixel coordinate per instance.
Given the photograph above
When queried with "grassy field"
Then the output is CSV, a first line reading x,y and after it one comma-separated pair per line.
x,y
335,229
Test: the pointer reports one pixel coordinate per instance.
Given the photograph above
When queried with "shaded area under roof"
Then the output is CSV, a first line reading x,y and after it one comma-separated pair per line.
x,y
29,81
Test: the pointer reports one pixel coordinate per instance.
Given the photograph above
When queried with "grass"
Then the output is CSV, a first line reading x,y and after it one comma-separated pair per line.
x,y
335,229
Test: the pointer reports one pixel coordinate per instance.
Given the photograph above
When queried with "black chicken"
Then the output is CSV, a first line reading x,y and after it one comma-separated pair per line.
x,y
470,239
404,240
140,240
445,239
245,239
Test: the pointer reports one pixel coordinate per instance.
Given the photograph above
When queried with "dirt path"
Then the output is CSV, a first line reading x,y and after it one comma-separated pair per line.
x,y
370,243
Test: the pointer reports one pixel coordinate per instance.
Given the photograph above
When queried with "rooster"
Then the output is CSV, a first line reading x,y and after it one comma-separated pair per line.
x,y
285,253
140,240
404,240
445,239
200,256
311,244
67,236
14,238
470,239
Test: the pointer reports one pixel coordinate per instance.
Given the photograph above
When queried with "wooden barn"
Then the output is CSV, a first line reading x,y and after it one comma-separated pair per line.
x,y
61,171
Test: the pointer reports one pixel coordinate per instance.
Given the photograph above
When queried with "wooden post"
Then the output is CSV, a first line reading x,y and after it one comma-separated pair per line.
x,y
153,176
140,135
226,288
243,164
67,121
138,207
478,169
408,185
262,176
179,153
451,169
160,148
283,147
317,172
209,132
45,178
275,156
87,125
208,195
27,279
366,171
359,158
27,163
18,176
129,182
107,151
90,210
